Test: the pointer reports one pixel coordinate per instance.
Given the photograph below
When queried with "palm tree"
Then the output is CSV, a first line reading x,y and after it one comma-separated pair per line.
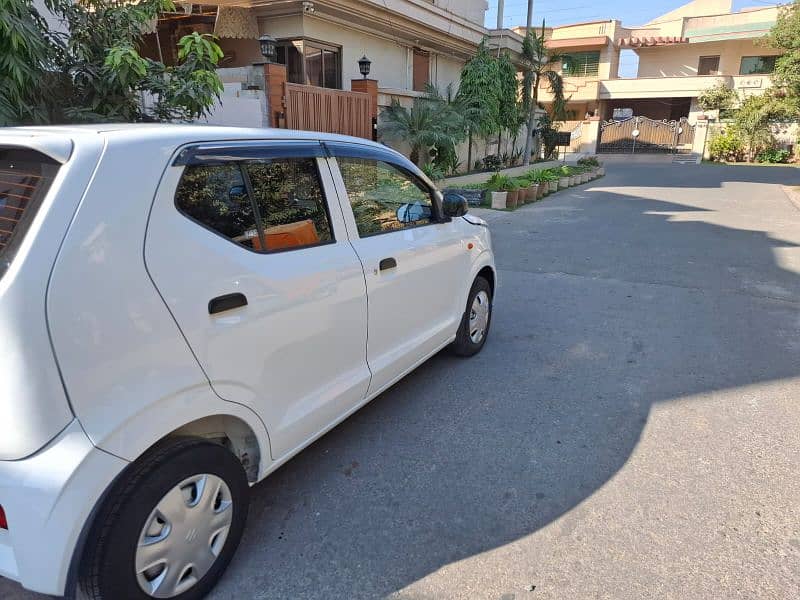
x,y
431,122
539,63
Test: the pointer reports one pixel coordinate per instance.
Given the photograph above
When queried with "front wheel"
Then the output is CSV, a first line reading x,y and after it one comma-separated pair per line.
x,y
171,527
476,321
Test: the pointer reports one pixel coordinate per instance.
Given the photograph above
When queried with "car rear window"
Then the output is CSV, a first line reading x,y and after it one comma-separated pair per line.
x,y
25,177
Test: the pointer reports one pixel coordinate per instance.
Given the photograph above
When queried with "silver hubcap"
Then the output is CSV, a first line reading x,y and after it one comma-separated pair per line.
x,y
183,536
479,317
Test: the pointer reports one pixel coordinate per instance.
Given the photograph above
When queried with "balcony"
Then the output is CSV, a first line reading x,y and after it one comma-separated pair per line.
x,y
679,87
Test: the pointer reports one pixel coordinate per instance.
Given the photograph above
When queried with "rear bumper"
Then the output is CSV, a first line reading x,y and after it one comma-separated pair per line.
x,y
47,499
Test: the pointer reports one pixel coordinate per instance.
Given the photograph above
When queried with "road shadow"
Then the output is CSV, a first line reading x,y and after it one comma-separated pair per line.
x,y
607,305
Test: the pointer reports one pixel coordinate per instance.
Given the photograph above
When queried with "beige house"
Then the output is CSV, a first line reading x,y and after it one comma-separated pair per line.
x,y
681,54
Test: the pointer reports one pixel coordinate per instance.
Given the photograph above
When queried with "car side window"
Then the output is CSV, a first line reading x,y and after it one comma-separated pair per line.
x,y
383,197
216,197
290,202
264,205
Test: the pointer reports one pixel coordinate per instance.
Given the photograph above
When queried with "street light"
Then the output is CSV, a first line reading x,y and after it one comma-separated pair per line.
x,y
364,66
269,49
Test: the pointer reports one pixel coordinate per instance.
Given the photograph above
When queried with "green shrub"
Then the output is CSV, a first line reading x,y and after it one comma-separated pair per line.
x,y
773,156
727,146
493,162
501,183
589,161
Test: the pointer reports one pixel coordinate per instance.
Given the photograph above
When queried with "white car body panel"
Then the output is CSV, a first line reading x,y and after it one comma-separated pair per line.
x,y
112,286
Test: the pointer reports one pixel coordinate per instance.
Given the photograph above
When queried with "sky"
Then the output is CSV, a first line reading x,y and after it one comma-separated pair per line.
x,y
562,12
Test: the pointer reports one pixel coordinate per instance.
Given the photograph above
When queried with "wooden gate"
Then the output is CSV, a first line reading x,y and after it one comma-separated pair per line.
x,y
644,135
313,108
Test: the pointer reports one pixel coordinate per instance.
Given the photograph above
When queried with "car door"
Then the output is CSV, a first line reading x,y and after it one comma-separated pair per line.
x,y
415,262
247,245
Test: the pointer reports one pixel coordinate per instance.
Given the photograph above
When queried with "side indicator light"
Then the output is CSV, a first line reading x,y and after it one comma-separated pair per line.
x,y
3,520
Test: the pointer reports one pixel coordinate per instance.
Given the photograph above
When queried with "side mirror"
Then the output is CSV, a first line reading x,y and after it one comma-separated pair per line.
x,y
411,213
454,205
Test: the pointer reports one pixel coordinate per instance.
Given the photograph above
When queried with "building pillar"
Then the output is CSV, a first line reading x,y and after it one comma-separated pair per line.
x,y
274,80
590,134
700,136
370,87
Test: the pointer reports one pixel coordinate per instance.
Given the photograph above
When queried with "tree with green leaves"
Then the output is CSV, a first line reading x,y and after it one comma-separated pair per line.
x,y
753,118
786,36
477,93
428,124
719,97
507,86
93,70
539,65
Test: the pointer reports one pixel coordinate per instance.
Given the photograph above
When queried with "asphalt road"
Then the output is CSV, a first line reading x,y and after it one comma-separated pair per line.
x,y
631,430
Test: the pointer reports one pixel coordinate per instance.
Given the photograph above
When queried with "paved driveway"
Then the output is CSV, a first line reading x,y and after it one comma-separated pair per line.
x,y
632,429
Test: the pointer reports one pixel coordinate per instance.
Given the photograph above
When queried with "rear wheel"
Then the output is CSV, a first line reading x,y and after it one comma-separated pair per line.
x,y
171,527
476,321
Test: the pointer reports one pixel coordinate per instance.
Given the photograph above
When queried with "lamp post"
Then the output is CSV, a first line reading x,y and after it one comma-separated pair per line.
x,y
364,65
269,49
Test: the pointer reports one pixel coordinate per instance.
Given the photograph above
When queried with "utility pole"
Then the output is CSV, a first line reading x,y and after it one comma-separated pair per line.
x,y
529,23
500,7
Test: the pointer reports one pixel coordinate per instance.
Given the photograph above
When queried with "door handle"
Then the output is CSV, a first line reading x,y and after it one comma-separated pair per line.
x,y
226,302
387,263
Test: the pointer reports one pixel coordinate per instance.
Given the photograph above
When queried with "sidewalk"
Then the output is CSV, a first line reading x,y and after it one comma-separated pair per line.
x,y
513,172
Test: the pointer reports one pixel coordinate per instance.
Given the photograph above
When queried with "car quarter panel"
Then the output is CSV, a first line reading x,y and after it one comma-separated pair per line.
x,y
129,374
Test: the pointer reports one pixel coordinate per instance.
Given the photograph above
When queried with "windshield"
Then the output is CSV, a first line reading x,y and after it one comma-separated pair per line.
x,y
25,176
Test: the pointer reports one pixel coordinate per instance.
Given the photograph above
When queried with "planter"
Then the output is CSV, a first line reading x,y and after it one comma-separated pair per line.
x,y
601,171
563,183
573,180
593,173
512,200
533,190
541,189
498,199
584,177
552,186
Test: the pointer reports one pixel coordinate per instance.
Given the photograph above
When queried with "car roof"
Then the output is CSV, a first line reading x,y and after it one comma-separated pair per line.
x,y
51,139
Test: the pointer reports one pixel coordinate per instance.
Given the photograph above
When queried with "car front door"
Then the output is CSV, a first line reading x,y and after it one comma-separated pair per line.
x,y
415,262
257,270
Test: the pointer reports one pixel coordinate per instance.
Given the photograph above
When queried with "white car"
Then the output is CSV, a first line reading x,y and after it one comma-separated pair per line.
x,y
184,308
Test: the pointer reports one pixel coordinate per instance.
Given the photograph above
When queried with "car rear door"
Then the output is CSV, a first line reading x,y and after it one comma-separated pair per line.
x,y
415,262
259,274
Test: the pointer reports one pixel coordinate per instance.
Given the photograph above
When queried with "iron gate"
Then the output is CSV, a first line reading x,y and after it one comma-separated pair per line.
x,y
645,135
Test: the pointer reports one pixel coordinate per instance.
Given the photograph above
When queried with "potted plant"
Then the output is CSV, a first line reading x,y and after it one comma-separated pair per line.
x,y
527,188
564,179
496,194
553,180
512,187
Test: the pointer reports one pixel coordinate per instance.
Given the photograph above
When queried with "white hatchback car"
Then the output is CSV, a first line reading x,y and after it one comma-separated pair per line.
x,y
184,308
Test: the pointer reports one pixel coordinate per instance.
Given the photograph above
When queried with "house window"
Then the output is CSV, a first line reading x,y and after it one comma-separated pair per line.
x,y
757,65
708,65
581,64
422,70
311,63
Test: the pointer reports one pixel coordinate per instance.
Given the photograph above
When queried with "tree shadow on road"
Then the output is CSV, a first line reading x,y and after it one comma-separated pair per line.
x,y
607,305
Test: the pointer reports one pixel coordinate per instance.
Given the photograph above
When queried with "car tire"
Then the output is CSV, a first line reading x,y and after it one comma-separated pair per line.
x,y
477,318
182,507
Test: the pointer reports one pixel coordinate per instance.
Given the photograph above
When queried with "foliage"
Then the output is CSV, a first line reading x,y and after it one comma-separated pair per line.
x,y
478,90
549,136
501,183
427,124
727,146
433,172
493,162
719,97
539,63
589,161
773,156
753,118
507,87
786,36
93,71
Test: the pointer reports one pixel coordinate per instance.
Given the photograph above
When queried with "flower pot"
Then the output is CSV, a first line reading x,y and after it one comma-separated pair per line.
x,y
499,199
542,189
584,177
512,198
601,171
533,190
563,183
552,186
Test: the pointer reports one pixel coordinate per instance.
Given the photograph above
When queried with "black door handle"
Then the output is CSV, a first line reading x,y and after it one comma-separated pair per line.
x,y
387,263
226,302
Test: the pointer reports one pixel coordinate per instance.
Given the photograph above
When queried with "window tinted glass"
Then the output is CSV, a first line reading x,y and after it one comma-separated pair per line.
x,y
757,65
290,202
216,196
708,65
25,176
384,198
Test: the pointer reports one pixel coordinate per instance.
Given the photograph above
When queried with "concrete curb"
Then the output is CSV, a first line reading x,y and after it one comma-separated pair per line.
x,y
793,194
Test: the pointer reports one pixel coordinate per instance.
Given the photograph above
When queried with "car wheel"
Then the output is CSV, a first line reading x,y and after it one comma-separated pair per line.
x,y
476,321
170,527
